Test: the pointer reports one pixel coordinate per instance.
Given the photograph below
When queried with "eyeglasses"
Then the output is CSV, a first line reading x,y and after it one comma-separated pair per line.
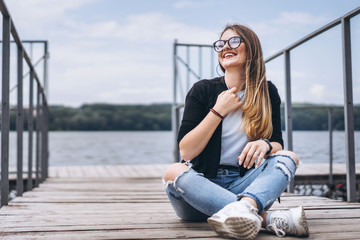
x,y
233,42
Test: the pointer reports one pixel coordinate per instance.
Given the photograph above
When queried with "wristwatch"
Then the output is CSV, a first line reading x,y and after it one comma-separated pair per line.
x,y
270,147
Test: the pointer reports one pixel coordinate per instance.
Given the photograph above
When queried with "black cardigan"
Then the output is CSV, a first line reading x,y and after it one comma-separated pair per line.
x,y
201,97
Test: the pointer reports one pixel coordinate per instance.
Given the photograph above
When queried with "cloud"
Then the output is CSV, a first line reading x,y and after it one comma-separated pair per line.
x,y
122,93
148,27
102,58
317,90
126,69
301,18
121,76
117,61
190,4
36,17
54,8
53,18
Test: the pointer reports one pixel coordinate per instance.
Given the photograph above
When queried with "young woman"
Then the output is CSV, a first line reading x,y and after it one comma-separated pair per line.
x,y
230,140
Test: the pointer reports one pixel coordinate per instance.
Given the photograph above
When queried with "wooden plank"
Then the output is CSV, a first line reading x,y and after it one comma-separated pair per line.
x,y
113,234
112,171
129,202
53,172
90,172
203,227
157,170
102,171
75,171
62,172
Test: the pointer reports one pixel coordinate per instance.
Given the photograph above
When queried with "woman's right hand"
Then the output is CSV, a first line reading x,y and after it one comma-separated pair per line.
x,y
227,101
194,142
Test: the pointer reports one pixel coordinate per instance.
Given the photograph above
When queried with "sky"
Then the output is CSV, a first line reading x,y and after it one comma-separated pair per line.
x,y
120,52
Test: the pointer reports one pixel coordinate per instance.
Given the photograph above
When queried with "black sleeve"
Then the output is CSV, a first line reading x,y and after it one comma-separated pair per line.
x,y
275,114
194,110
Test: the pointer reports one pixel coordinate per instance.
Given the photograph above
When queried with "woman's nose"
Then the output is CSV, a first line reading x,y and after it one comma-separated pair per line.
x,y
226,46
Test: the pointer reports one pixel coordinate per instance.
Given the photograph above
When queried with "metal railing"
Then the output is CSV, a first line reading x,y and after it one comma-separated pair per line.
x,y
348,95
41,110
330,109
190,73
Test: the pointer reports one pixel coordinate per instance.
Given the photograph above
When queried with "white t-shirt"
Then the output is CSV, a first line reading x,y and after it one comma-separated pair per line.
x,y
233,138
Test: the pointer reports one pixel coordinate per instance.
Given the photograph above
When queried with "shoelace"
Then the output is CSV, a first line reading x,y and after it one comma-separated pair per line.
x,y
238,208
278,226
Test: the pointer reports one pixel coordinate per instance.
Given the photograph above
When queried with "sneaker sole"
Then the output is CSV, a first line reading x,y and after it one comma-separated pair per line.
x,y
303,223
235,227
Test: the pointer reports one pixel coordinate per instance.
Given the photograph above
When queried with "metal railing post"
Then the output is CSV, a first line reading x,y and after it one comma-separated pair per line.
x,y
177,126
348,111
331,178
46,80
20,123
47,141
45,118
288,109
37,137
200,63
30,129
187,72
212,68
5,111
175,113
44,141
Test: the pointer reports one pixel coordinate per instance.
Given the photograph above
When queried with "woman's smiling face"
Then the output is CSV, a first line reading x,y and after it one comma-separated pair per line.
x,y
232,58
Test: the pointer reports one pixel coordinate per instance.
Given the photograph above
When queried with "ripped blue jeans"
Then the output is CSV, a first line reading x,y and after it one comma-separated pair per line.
x,y
195,198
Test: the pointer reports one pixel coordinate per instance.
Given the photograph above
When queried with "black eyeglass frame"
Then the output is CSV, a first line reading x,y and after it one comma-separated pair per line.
x,y
228,42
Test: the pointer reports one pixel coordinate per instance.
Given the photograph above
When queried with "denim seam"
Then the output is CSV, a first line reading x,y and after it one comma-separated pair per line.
x,y
256,169
254,197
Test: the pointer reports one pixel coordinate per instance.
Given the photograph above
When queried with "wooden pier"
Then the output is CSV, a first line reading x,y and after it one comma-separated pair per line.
x,y
129,202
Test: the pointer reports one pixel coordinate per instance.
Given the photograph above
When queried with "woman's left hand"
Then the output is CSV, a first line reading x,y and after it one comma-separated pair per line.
x,y
252,151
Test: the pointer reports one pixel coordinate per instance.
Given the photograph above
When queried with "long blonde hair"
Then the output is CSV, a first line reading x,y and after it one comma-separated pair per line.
x,y
257,121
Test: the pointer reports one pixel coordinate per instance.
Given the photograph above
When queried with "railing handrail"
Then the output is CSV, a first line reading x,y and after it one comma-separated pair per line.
x,y
192,45
321,106
348,93
15,35
41,107
317,32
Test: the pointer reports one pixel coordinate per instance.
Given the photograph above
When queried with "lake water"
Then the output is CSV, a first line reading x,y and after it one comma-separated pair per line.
x,y
156,147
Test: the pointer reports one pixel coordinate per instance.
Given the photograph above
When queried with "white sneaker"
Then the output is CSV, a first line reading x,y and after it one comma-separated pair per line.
x,y
291,222
236,220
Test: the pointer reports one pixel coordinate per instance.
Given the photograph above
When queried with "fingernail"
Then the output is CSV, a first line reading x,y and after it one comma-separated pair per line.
x,y
248,167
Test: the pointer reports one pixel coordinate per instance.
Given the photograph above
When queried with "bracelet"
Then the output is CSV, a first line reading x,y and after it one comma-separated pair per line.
x,y
270,146
216,113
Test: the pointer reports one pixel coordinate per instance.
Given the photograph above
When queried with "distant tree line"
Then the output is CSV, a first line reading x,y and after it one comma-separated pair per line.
x,y
96,117
104,117
307,118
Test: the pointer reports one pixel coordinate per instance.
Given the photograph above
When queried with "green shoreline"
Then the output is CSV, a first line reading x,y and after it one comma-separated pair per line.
x,y
157,117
